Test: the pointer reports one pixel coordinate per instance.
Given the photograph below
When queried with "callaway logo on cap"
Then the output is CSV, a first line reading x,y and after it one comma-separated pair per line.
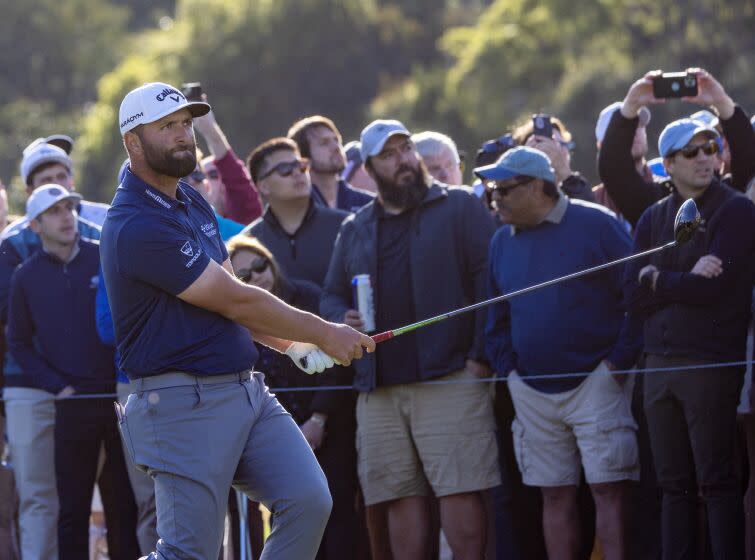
x,y
151,102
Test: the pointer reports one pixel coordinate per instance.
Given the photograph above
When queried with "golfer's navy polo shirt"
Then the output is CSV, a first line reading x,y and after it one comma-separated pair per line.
x,y
152,248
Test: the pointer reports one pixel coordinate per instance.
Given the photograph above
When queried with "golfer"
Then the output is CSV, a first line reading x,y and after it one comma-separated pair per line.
x,y
200,420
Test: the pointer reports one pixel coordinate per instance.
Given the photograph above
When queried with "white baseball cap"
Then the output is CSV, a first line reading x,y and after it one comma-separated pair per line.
x,y
376,134
38,153
46,196
605,117
153,101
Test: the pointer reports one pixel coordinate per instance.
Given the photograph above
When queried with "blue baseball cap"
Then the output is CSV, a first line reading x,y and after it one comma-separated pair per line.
x,y
522,160
657,168
677,134
376,134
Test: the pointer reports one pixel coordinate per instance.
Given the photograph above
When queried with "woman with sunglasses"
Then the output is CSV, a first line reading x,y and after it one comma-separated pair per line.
x,y
254,264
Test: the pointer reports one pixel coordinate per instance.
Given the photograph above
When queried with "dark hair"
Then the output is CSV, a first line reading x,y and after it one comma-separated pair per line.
x,y
40,168
239,243
523,132
256,159
299,131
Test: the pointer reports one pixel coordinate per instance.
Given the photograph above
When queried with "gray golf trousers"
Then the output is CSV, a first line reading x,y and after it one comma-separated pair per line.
x,y
198,436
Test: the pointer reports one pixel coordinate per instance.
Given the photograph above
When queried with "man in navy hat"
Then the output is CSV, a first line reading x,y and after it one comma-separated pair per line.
x,y
563,423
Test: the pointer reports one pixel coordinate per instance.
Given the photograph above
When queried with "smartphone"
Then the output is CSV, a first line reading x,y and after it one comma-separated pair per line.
x,y
675,84
192,91
542,125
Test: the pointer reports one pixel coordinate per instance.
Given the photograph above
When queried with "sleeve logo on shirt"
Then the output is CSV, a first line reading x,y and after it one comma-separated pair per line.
x,y
209,229
187,250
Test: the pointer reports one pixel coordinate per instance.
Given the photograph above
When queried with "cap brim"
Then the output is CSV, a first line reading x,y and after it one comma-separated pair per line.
x,y
379,146
71,195
62,141
679,144
495,172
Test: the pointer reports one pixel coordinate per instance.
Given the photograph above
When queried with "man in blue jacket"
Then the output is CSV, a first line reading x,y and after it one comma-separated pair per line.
x,y
562,423
52,334
424,246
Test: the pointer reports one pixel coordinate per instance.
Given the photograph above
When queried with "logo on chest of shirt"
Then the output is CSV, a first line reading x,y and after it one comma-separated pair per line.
x,y
209,229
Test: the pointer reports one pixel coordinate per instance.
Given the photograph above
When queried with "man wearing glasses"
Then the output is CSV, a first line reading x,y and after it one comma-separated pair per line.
x,y
562,422
299,232
695,302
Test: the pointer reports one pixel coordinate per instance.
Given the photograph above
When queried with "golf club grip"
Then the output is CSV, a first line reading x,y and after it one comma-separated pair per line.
x,y
380,337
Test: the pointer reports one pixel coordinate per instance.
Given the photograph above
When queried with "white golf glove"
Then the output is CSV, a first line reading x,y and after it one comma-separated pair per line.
x,y
309,358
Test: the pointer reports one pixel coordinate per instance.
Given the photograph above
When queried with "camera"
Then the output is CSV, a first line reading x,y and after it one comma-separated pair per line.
x,y
542,125
192,91
675,85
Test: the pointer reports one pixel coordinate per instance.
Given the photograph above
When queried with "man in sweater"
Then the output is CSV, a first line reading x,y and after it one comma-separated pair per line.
x,y
562,423
52,334
299,232
695,301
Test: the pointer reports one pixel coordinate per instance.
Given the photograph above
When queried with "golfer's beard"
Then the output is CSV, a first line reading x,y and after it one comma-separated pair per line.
x,y
403,196
166,163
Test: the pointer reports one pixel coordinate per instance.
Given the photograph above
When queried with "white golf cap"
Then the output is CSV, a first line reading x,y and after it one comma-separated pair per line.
x,y
376,134
605,117
38,153
46,196
153,101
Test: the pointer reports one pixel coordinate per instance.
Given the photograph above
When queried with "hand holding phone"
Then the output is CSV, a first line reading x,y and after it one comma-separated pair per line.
x,y
192,91
675,85
542,125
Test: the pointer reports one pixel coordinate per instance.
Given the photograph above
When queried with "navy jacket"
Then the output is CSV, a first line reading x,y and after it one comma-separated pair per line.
x,y
689,315
51,329
448,247
303,255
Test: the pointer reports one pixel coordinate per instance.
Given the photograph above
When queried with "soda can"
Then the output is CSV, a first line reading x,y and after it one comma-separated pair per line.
x,y
362,289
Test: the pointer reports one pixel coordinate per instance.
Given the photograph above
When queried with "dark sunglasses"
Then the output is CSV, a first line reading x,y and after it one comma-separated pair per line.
x,y
285,168
258,266
690,152
494,187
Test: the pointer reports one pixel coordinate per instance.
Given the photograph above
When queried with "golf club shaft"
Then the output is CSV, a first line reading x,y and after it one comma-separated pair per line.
x,y
380,337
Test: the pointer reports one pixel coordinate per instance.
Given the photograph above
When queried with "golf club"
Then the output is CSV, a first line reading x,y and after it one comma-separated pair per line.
x,y
685,224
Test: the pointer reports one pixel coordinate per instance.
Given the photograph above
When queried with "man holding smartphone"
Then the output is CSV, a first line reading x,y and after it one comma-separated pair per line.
x,y
633,193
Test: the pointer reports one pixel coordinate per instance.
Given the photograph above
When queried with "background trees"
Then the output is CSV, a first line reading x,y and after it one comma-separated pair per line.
x,y
470,68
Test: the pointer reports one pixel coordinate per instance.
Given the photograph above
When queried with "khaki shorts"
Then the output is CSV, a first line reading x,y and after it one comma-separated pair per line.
x,y
416,436
592,422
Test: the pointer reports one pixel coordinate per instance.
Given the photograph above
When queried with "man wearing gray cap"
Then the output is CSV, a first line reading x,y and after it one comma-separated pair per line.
x,y
695,303
563,423
424,247
199,419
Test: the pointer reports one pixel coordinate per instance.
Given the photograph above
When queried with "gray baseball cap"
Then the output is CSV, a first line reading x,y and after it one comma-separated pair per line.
x,y
376,134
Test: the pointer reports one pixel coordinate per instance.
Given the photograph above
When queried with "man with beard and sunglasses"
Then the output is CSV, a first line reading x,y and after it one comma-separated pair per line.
x,y
695,302
424,247
199,419
297,230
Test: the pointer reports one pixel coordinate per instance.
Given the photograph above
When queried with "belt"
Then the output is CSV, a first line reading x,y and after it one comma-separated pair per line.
x,y
178,379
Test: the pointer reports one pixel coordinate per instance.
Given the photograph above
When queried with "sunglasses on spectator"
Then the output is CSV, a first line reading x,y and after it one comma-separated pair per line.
x,y
690,152
197,176
285,168
495,187
258,266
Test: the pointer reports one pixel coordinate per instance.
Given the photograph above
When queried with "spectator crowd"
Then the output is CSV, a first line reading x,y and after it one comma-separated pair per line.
x,y
608,415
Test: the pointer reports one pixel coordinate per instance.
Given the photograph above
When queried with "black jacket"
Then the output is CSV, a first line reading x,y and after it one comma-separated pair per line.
x,y
451,232
305,254
632,193
687,314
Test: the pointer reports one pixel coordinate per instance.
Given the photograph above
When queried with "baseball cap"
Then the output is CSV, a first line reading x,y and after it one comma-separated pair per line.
x,y
39,153
522,160
376,134
46,196
605,117
677,134
657,168
705,117
153,101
